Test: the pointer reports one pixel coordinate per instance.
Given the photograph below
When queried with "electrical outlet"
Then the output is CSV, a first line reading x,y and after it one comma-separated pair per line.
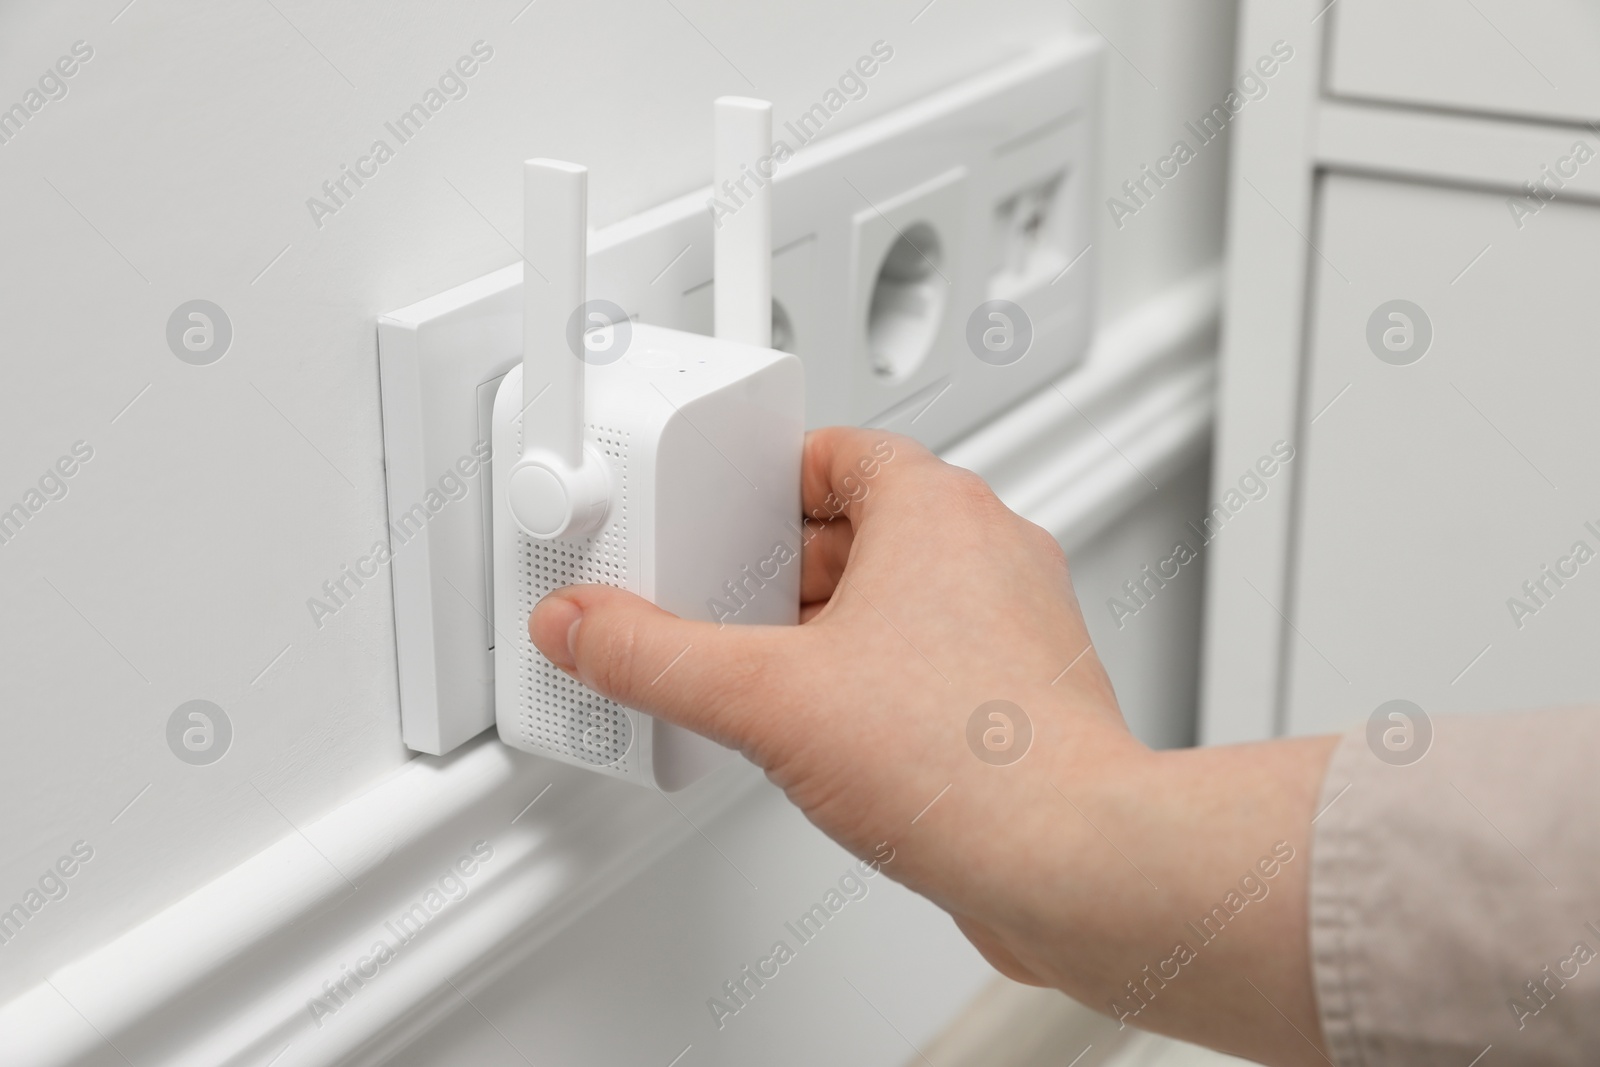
x,y
888,241
902,282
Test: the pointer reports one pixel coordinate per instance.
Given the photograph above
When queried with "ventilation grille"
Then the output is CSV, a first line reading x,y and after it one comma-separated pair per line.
x,y
559,714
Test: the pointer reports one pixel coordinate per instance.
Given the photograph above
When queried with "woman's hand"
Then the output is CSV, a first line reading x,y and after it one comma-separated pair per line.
x,y
925,602
923,598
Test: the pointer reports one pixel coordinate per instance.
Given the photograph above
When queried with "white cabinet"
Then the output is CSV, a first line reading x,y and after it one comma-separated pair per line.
x,y
1425,542
1532,58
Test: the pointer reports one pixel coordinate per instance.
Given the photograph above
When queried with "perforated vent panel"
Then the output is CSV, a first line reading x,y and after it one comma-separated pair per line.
x,y
558,714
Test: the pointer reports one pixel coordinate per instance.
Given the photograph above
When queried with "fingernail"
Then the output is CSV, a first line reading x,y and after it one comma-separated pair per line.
x,y
553,628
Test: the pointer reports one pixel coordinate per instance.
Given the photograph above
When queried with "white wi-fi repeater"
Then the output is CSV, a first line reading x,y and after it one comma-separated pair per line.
x,y
656,460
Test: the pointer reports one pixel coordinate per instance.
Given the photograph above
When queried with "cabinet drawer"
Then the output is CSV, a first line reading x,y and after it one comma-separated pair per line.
x,y
1522,58
1444,487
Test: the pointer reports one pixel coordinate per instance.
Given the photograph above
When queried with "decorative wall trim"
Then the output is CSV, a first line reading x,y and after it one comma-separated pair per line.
x,y
463,866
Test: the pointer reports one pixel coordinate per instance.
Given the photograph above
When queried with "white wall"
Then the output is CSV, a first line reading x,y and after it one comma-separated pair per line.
x,y
178,166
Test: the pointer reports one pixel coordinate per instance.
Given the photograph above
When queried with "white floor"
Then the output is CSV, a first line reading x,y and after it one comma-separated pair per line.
x,y
1011,1025
1149,1050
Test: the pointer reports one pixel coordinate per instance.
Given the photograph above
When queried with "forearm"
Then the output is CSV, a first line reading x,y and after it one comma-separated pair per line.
x,y
1175,895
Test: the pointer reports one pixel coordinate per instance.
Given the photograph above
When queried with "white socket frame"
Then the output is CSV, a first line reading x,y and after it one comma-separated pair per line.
x,y
1009,128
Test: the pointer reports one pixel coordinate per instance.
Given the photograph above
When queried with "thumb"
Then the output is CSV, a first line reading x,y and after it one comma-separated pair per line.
x,y
693,674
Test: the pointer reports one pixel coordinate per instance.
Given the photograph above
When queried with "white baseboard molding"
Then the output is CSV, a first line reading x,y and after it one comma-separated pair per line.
x,y
227,975
232,975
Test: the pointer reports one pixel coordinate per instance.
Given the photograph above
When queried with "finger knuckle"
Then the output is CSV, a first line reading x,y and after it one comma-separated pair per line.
x,y
1046,543
966,490
613,661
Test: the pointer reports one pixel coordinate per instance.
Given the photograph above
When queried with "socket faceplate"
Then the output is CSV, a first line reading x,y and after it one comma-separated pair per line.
x,y
996,169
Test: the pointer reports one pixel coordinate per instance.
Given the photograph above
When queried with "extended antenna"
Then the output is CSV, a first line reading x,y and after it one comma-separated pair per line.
x,y
558,488
555,218
742,244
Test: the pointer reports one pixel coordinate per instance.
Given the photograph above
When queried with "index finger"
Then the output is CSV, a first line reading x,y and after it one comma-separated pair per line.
x,y
847,470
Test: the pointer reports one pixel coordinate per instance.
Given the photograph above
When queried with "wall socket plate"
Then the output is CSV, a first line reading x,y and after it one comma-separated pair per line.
x,y
888,240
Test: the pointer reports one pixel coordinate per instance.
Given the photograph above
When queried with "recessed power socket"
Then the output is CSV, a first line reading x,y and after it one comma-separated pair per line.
x,y
1006,151
903,283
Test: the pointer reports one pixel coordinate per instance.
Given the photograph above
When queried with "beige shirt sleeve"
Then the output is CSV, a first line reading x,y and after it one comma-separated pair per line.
x,y
1455,900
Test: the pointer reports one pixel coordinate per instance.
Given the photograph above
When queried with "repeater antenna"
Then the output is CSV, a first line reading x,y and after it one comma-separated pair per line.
x,y
559,488
742,242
